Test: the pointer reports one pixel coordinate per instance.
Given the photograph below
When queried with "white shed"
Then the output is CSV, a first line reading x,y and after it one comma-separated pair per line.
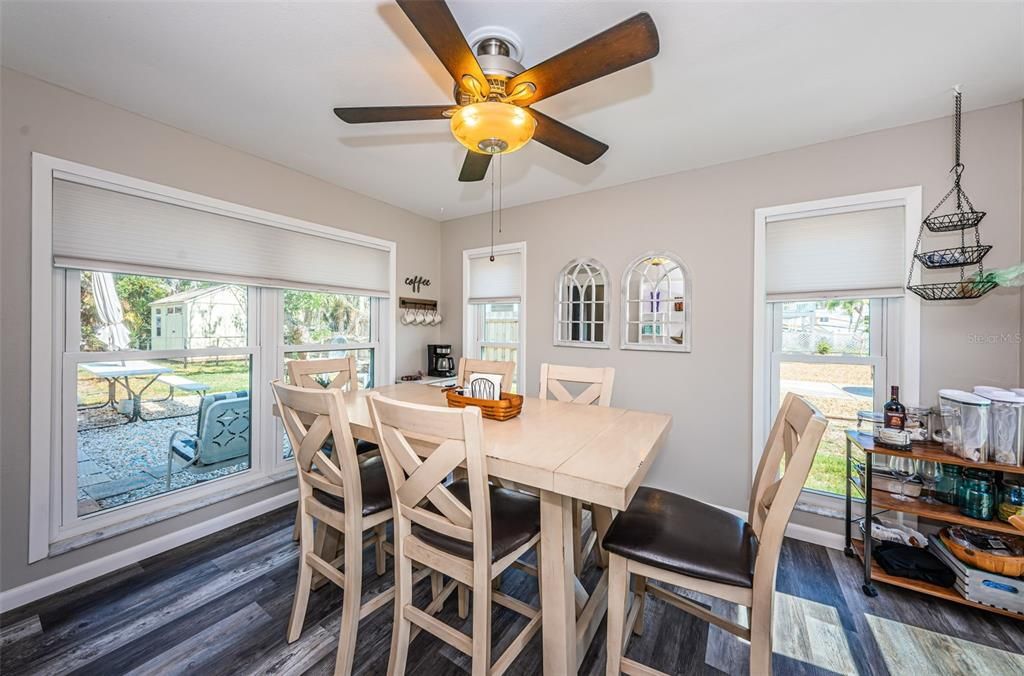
x,y
210,317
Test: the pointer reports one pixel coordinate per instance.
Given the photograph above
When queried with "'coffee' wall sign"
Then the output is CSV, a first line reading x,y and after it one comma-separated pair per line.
x,y
417,282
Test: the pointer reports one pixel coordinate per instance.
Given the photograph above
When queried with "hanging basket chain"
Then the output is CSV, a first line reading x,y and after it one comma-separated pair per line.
x,y
963,219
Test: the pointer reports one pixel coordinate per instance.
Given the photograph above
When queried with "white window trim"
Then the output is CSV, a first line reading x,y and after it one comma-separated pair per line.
x,y
909,354
47,333
468,315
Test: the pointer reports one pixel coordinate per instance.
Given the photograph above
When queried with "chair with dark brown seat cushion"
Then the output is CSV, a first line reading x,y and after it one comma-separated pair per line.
x,y
468,530
376,494
344,495
685,543
685,536
515,519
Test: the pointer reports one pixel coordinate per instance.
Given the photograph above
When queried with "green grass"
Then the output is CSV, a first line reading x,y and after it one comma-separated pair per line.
x,y
828,473
227,375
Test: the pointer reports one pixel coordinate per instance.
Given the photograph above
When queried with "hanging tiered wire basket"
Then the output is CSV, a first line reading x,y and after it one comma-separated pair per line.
x,y
965,256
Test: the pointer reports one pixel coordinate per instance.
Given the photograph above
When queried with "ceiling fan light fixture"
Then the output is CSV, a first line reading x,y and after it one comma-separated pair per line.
x,y
493,128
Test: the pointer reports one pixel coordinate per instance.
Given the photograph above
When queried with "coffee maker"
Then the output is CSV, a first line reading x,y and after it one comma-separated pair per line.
x,y
439,361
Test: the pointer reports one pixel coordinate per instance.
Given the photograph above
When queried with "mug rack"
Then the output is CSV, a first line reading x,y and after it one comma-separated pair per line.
x,y
418,311
417,304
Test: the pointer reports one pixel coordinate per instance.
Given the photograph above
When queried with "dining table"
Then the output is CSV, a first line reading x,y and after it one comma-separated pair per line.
x,y
563,452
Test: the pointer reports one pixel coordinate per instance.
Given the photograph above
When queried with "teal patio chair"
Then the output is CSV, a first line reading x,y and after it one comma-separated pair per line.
x,y
222,433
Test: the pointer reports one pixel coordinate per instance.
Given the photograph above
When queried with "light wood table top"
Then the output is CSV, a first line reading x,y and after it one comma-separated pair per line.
x,y
591,453
567,452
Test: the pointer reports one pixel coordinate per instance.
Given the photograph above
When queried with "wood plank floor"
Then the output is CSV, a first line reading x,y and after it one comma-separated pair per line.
x,y
220,606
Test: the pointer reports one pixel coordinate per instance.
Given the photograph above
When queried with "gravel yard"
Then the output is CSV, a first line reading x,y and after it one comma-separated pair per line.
x,y
121,462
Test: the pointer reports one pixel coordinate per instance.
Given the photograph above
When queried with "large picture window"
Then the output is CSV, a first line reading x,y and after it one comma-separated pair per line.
x,y
159,318
175,413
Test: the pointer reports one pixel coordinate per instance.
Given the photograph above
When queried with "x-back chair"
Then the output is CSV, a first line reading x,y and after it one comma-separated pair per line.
x,y
341,491
678,541
598,390
469,530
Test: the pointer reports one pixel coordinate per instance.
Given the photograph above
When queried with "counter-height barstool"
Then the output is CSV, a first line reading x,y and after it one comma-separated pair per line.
x,y
469,530
673,539
334,374
597,389
348,494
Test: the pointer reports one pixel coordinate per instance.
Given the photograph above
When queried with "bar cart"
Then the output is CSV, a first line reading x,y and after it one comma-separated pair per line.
x,y
884,502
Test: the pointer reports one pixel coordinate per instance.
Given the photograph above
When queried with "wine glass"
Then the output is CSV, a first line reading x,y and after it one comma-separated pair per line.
x,y
903,469
929,471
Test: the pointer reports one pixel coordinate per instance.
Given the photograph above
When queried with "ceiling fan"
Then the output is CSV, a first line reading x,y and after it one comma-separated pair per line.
x,y
494,92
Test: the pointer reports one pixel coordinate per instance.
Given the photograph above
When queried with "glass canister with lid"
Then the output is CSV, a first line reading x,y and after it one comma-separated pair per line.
x,y
965,424
1006,427
978,494
1011,497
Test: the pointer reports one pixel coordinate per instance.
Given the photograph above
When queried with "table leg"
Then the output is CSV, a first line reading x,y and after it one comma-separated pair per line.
x,y
137,406
558,582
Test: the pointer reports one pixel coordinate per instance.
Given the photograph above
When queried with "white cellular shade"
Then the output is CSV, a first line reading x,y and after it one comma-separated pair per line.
x,y
95,228
859,252
500,280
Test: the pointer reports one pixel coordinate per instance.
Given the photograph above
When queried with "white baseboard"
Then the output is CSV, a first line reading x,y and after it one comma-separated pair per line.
x,y
804,533
37,589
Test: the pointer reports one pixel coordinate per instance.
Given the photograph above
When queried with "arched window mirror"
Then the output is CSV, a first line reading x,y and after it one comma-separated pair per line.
x,y
656,304
581,305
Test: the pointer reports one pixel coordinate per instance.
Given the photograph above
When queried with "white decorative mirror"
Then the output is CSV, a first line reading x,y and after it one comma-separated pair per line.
x,y
581,305
656,304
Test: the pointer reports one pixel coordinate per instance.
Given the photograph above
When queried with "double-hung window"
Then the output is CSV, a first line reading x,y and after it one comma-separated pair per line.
x,y
495,305
833,324
159,319
318,325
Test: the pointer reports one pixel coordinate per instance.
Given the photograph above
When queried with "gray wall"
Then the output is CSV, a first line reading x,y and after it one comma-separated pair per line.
x,y
37,116
706,217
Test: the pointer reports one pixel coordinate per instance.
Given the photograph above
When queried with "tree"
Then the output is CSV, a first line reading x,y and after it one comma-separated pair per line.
x,y
856,311
136,293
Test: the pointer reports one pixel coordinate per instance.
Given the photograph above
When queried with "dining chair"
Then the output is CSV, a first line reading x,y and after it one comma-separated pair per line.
x,y
469,367
344,492
335,373
598,390
469,530
317,373
682,542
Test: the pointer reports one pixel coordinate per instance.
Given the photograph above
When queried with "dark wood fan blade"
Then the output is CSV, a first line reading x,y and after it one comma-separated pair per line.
x,y
626,44
474,168
566,140
391,113
435,23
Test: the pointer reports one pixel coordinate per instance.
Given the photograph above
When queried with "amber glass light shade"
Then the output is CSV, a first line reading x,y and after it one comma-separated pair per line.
x,y
493,128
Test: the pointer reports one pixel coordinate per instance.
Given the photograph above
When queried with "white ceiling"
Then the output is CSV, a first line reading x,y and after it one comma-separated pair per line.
x,y
732,81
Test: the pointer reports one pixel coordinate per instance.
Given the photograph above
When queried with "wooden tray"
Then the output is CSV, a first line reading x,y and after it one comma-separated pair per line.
x,y
508,407
1010,566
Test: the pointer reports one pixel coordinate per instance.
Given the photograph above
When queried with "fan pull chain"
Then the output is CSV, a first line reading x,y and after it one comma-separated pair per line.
x,y
492,211
501,185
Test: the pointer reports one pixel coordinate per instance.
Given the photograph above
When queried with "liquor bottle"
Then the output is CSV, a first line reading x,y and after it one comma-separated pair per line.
x,y
892,433
895,413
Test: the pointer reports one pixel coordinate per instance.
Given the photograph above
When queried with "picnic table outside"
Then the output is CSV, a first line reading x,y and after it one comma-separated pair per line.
x,y
119,372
